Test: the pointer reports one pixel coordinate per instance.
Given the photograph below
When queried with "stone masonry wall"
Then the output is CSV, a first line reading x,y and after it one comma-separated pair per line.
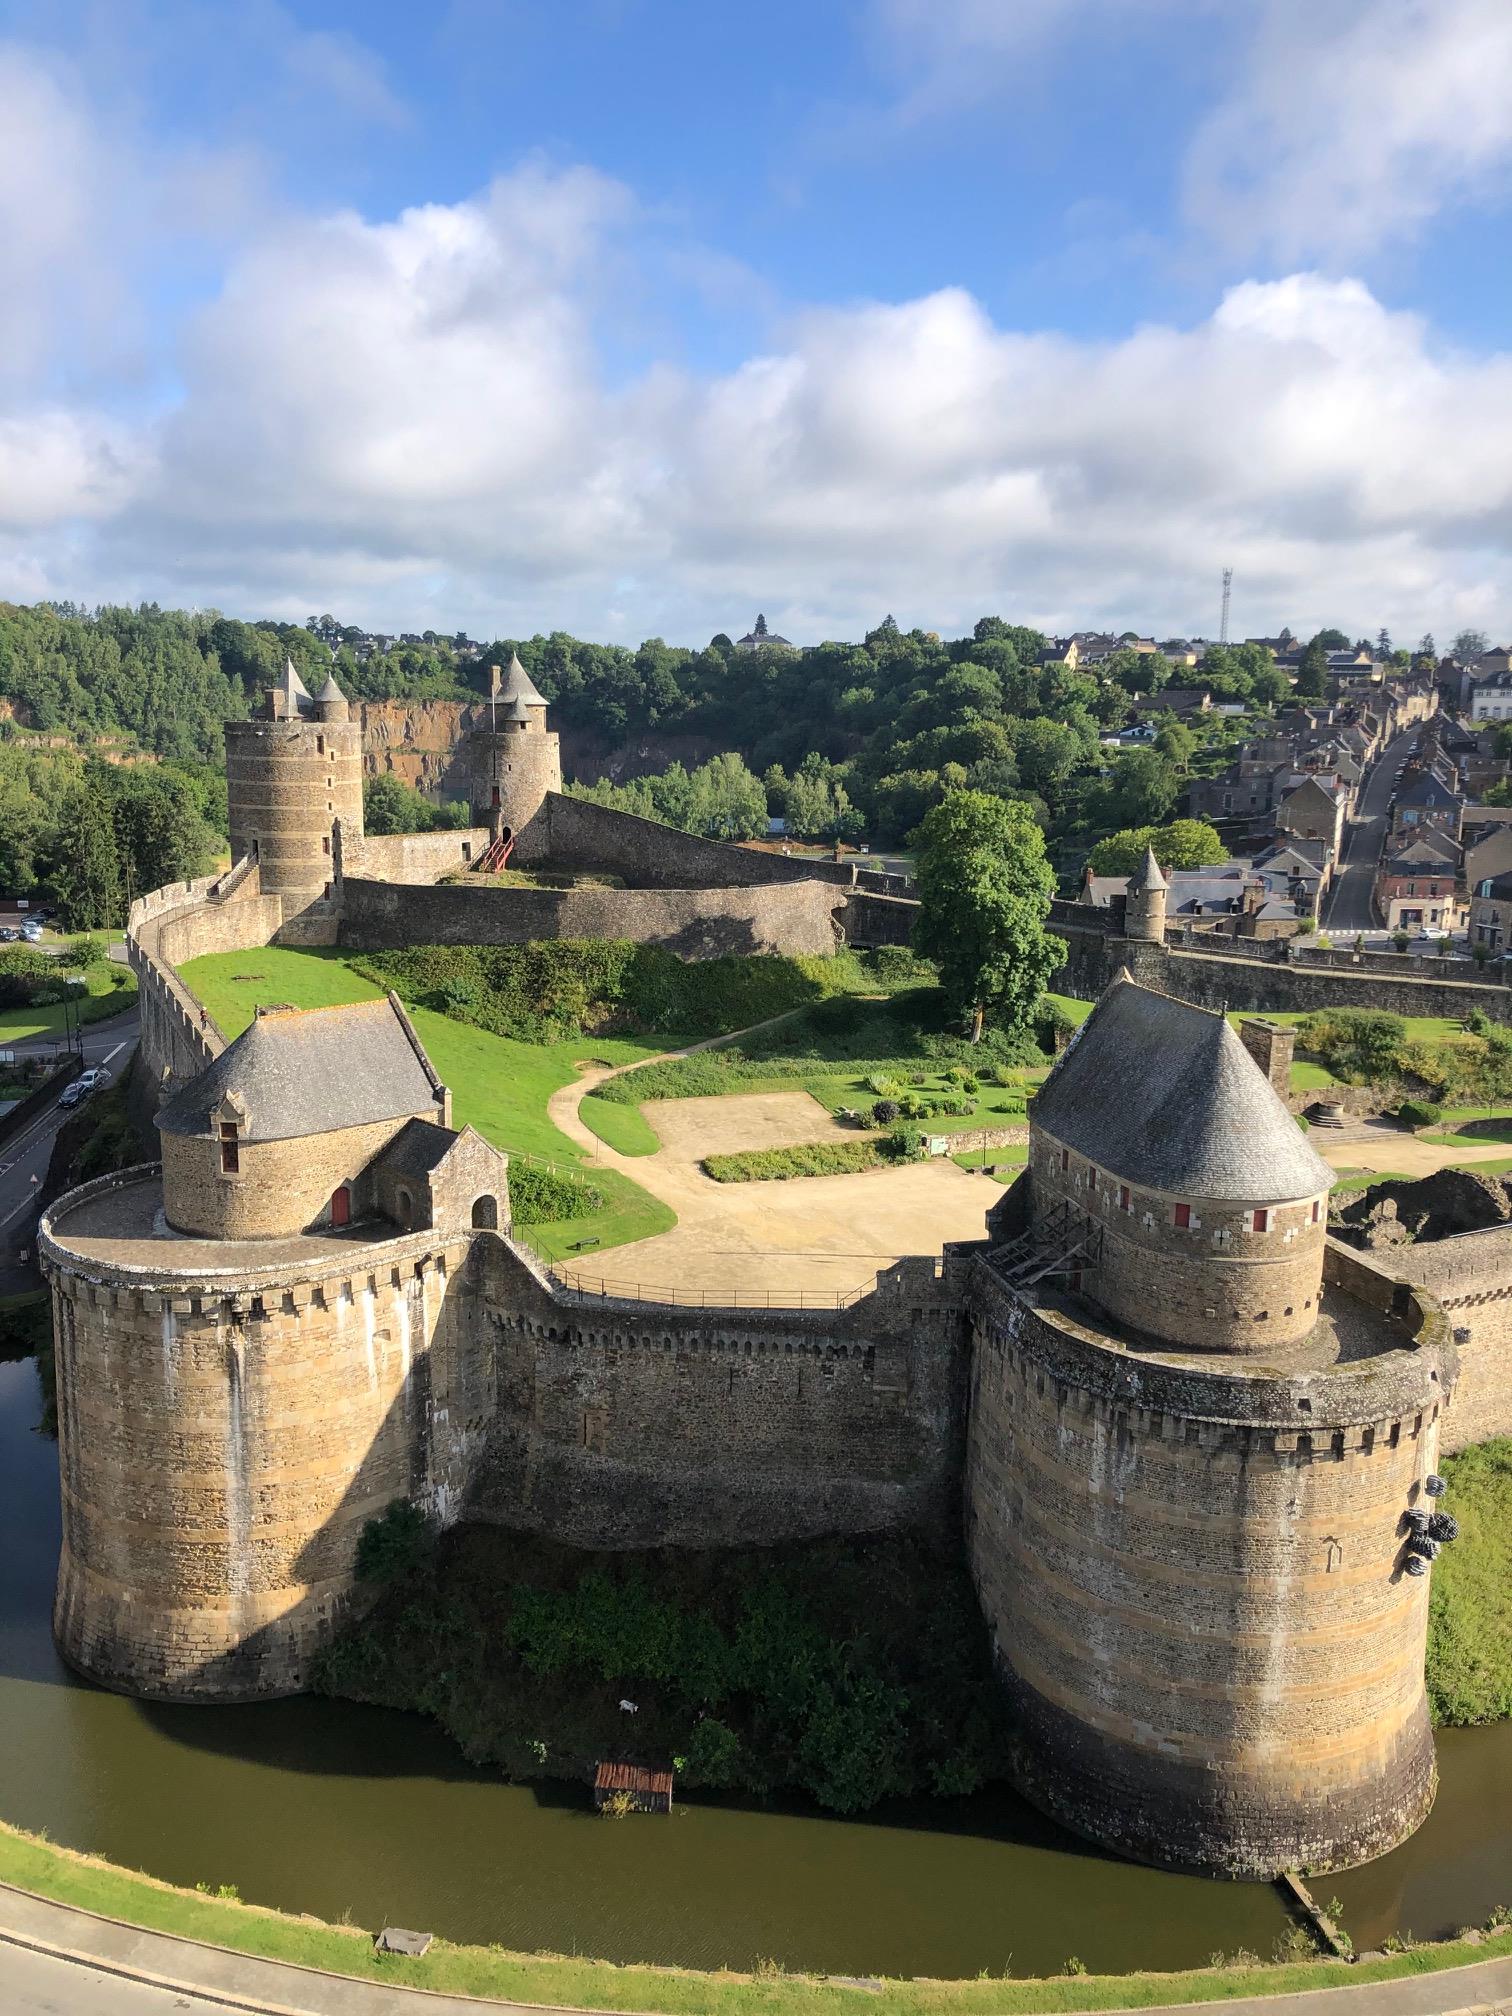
x,y
624,1424
693,923
280,1188
582,835
1215,1284
222,1443
1195,1589
1471,1276
215,914
413,857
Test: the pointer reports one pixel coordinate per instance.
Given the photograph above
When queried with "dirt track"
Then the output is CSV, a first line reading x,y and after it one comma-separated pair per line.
x,y
826,1233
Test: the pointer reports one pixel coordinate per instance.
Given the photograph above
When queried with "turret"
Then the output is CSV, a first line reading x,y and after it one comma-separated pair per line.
x,y
514,763
1145,908
331,702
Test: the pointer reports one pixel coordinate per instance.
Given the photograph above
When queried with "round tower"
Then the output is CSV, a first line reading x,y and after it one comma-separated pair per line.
x,y
513,764
1192,1453
291,774
1145,905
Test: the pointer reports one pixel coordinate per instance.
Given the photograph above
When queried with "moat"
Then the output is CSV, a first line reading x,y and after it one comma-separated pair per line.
x,y
324,1807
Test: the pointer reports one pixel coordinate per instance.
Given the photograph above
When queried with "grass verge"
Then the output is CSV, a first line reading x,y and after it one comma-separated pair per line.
x,y
36,1865
104,995
1470,1618
622,1128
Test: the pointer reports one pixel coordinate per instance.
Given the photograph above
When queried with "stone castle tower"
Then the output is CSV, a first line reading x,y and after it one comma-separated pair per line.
x,y
513,764
292,775
1145,907
1196,1432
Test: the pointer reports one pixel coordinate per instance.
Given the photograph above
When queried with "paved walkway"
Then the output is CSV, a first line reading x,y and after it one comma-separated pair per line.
x,y
55,1959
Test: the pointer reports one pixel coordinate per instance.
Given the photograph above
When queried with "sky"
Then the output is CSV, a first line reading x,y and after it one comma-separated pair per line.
x,y
635,317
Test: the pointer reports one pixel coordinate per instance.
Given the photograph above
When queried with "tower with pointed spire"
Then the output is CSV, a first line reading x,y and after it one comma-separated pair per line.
x,y
1145,906
293,778
513,763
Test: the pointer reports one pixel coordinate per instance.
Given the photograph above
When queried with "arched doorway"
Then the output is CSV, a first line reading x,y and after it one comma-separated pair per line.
x,y
485,1214
406,1211
341,1204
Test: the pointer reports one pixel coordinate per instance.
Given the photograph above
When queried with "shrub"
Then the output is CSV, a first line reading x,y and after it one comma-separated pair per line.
x,y
543,1196
1478,1022
884,1112
904,1143
967,1080
1004,1074
1053,1027
84,952
1359,1045
778,1165
393,1545
1419,1113
882,1084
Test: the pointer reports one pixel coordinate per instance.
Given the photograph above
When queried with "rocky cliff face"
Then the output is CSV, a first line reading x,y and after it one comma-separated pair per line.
x,y
419,741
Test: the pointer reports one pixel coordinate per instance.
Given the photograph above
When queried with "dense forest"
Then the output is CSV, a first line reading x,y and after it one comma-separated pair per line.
x,y
845,740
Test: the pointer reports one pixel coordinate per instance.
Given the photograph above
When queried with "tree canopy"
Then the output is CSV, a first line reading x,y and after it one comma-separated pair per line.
x,y
1184,843
984,893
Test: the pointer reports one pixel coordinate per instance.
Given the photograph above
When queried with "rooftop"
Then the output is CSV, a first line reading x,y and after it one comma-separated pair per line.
x,y
1165,1094
302,1071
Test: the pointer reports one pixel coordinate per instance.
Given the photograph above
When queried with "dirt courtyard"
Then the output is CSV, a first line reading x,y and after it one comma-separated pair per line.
x,y
826,1234
1379,1145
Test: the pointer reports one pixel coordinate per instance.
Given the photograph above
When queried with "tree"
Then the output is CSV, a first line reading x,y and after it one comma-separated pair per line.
x,y
984,894
389,805
1426,646
1383,641
1469,645
1141,791
86,871
1185,843
1177,744
1501,746
1312,674
1332,640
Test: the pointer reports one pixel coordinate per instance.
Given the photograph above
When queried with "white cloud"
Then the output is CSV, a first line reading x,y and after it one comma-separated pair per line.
x,y
1353,123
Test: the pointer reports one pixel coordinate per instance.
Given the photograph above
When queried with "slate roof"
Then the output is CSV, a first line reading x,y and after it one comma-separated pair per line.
x,y
330,690
417,1149
1147,877
1166,1095
296,693
300,1071
518,685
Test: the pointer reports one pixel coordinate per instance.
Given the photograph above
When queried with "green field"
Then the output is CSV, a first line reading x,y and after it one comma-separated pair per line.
x,y
623,1128
498,1085
104,995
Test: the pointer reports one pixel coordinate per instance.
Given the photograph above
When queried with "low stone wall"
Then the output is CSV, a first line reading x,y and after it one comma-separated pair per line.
x,y
869,919
693,923
413,857
631,1424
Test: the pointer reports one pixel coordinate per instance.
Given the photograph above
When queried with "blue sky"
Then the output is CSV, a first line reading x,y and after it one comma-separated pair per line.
x,y
623,315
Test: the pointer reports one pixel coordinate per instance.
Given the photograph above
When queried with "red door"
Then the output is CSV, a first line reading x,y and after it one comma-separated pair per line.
x,y
341,1206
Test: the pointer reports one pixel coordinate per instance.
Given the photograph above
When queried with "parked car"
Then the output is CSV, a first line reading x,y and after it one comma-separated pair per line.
x,y
86,1082
32,933
9,935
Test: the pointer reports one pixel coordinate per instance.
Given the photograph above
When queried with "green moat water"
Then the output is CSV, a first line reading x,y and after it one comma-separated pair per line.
x,y
346,1811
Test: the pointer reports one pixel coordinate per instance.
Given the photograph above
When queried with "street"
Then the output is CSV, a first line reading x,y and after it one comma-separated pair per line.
x,y
23,1160
36,1984
1349,906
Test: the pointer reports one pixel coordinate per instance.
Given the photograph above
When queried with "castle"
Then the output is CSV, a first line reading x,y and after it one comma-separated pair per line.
x,y
1191,1439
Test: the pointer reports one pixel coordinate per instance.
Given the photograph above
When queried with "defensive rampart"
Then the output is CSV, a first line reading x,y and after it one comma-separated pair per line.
x,y
217,913
1195,1583
1470,1274
581,835
633,1424
413,857
795,917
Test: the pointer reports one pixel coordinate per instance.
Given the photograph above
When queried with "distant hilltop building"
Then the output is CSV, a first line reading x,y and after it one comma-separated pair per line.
x,y
761,639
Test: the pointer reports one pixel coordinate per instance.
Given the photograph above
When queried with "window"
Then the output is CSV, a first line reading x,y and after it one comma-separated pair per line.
x,y
1317,1211
1091,1179
1124,1202
1065,1158
230,1148
1183,1217
320,745
1261,1221
325,845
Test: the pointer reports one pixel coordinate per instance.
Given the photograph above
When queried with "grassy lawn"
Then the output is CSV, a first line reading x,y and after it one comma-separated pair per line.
x,y
623,1128
1470,1618
1349,1181
498,1085
99,1000
1013,1157
997,1105
36,1865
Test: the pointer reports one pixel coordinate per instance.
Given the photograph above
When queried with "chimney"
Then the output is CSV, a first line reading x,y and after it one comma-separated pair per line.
x,y
1271,1046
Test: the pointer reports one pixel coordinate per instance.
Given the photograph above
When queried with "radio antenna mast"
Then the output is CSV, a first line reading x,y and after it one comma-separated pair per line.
x,y
1228,582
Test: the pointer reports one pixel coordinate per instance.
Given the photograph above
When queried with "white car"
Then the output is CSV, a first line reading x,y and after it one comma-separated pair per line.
x,y
86,1082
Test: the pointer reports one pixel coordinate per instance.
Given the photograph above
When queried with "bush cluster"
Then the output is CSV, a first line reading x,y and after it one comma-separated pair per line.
x,y
1419,1113
542,1196
810,1158
854,1672
566,987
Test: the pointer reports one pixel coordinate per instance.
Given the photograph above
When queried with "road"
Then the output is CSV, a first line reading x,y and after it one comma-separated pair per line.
x,y
36,1984
1349,906
23,1160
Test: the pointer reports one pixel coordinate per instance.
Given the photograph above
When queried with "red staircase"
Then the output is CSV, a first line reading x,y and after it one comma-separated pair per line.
x,y
496,855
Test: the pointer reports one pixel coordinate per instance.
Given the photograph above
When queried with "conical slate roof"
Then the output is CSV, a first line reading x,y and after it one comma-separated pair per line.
x,y
330,691
1147,878
1166,1096
518,685
296,693
301,1071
